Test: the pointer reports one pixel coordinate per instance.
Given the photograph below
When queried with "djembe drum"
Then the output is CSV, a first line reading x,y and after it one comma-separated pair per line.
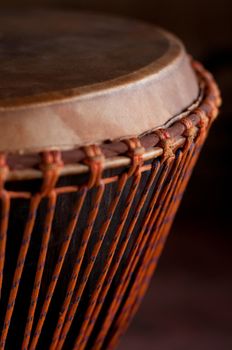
x,y
101,123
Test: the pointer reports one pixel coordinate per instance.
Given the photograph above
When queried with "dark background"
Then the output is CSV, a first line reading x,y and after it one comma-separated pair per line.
x,y
189,304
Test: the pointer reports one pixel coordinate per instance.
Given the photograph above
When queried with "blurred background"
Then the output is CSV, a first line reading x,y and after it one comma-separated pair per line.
x,y
189,304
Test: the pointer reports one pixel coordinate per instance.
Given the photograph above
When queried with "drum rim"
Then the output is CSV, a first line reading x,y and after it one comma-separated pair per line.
x,y
207,105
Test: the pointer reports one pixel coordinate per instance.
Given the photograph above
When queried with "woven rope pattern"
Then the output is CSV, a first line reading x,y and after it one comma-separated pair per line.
x,y
94,318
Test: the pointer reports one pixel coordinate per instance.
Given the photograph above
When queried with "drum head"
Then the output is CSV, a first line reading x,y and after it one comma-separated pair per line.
x,y
85,78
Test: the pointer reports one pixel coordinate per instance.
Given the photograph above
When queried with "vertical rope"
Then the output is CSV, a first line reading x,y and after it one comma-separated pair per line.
x,y
107,264
51,165
5,211
92,260
95,175
103,283
40,268
180,182
19,267
141,237
150,259
95,161
168,157
158,215
60,261
155,252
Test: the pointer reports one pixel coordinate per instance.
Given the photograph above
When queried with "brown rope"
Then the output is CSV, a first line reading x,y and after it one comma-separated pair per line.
x,y
155,224
180,183
95,160
171,171
135,151
140,242
155,220
51,165
94,179
5,203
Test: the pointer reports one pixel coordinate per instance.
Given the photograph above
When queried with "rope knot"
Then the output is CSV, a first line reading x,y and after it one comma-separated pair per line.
x,y
95,160
51,165
166,143
4,169
190,129
135,152
213,110
204,120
